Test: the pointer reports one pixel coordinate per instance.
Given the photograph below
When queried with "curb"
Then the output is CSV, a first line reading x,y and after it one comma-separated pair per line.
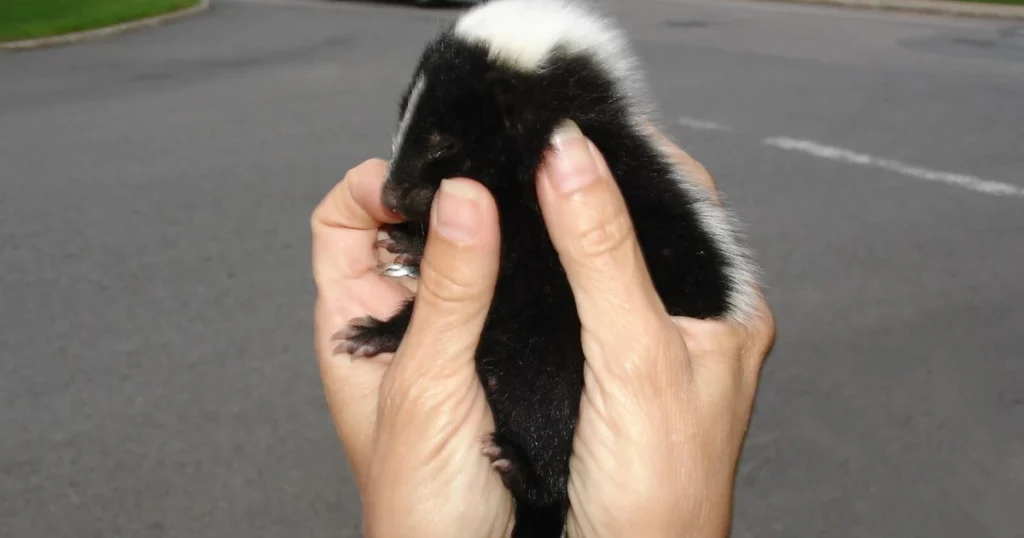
x,y
931,7
65,39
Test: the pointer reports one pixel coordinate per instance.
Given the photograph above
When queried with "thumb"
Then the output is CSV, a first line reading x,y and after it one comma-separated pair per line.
x,y
457,278
591,228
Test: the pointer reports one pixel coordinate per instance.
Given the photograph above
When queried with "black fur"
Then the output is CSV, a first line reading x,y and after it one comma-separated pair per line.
x,y
479,120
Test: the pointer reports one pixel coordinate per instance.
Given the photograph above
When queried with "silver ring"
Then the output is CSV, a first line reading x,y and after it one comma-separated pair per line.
x,y
397,270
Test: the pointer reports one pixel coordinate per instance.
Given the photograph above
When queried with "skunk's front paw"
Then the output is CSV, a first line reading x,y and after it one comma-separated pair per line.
x,y
405,238
406,241
389,245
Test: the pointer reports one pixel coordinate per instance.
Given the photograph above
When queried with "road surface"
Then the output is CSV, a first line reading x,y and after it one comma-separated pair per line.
x,y
156,365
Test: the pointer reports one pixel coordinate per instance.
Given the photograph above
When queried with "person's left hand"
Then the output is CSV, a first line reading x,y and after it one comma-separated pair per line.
x,y
412,424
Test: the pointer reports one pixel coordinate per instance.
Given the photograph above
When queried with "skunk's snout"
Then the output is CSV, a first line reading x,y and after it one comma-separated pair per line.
x,y
409,202
389,198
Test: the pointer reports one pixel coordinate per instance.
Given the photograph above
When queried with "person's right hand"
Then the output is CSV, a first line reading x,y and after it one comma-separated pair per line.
x,y
667,400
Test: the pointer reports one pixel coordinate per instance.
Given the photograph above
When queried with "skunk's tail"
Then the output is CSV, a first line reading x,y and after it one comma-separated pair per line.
x,y
534,521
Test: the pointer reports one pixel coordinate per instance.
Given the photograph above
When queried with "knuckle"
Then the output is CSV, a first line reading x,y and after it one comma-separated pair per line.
x,y
753,343
335,204
760,336
365,168
606,235
765,327
342,193
320,212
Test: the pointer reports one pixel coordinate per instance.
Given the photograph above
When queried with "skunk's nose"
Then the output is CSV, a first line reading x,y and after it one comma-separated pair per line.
x,y
389,199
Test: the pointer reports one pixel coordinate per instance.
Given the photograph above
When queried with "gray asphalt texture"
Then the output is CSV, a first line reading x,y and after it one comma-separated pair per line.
x,y
157,375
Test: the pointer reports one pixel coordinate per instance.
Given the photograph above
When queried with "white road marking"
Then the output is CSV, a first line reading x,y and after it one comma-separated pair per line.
x,y
994,188
703,125
837,11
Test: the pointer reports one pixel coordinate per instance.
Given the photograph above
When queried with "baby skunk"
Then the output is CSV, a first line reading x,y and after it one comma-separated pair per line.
x,y
485,97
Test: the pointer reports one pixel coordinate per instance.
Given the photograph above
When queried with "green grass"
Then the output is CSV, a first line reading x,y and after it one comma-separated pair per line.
x,y
24,19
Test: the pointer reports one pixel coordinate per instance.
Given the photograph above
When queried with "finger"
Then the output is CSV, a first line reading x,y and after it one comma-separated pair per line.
x,y
345,223
457,279
355,202
592,231
344,227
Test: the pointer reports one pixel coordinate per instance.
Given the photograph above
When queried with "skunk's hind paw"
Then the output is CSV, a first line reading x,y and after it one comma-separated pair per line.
x,y
507,460
365,337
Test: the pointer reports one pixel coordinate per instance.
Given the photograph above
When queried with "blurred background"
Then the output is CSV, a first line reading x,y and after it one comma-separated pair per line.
x,y
157,375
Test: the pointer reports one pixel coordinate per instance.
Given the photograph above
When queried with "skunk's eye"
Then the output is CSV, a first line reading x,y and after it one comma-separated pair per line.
x,y
441,146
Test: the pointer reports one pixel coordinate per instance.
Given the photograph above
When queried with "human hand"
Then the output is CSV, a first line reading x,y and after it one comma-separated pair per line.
x,y
412,424
667,400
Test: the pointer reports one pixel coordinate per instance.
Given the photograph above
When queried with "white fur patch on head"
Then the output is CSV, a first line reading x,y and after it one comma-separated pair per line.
x,y
523,33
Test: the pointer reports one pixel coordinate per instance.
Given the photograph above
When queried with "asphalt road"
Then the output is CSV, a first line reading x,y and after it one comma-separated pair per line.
x,y
156,365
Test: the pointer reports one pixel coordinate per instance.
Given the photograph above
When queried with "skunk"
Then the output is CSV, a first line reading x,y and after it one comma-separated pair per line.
x,y
483,101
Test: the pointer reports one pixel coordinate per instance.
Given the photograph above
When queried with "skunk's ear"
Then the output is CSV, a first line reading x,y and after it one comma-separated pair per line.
x,y
512,95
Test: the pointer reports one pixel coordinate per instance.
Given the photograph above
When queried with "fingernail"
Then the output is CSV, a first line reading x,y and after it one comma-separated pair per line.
x,y
457,212
573,166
